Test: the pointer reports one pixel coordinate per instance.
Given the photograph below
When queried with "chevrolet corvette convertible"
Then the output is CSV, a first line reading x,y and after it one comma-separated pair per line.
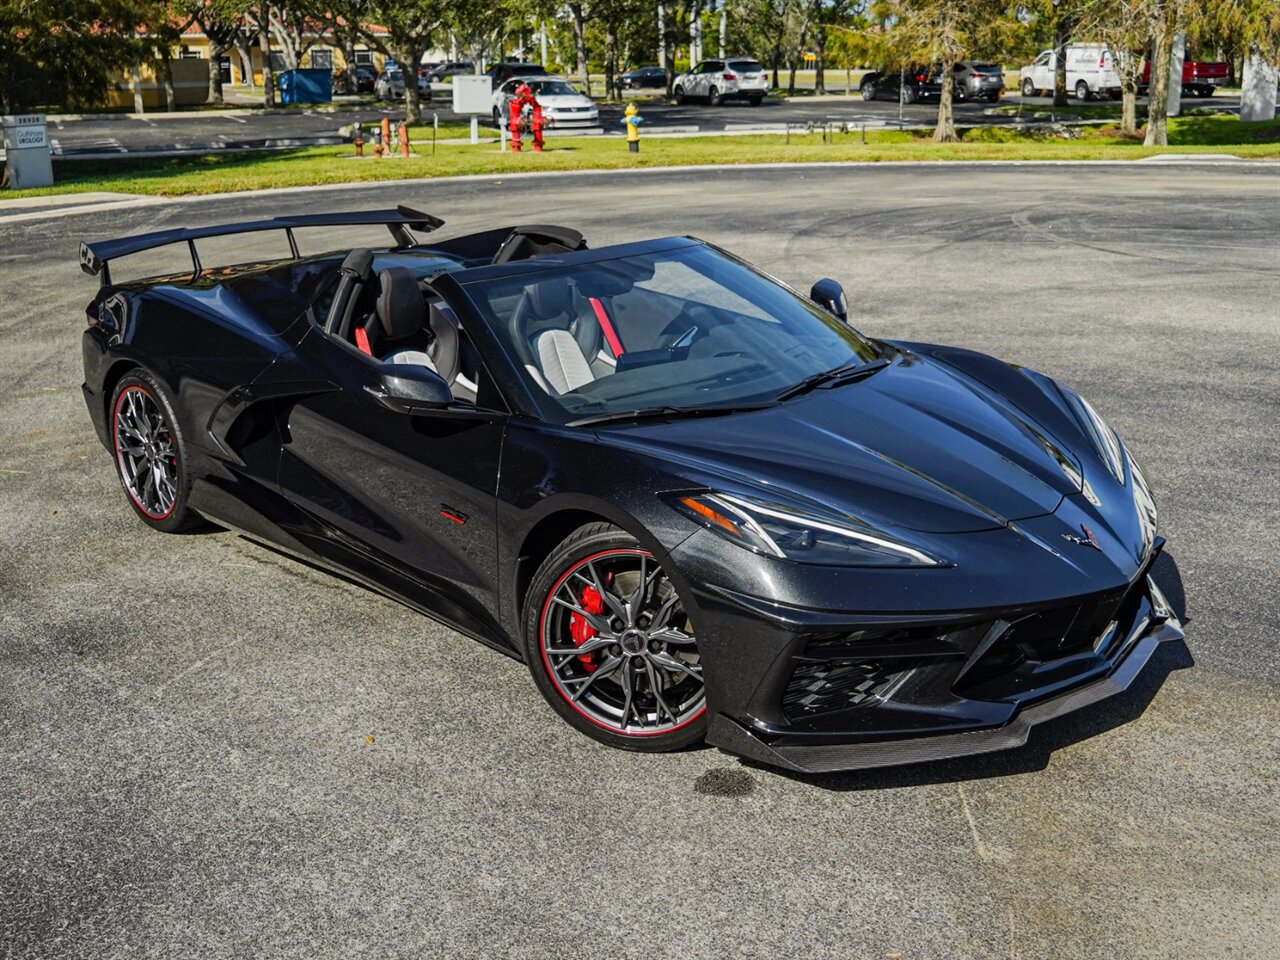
x,y
698,505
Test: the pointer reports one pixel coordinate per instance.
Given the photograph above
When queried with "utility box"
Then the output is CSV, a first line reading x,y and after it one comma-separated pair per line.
x,y
26,145
305,86
472,94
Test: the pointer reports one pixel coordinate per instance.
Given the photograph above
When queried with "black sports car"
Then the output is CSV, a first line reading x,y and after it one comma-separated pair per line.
x,y
697,504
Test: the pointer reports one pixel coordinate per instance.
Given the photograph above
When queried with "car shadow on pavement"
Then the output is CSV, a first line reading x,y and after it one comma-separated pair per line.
x,y
1062,732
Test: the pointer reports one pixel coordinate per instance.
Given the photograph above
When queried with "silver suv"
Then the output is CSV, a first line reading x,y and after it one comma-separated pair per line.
x,y
733,78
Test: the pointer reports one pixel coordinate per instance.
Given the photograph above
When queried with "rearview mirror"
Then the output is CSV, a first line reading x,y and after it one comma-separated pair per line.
x,y
829,295
411,388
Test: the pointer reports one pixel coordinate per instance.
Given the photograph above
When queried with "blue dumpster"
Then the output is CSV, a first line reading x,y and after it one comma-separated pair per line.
x,y
305,86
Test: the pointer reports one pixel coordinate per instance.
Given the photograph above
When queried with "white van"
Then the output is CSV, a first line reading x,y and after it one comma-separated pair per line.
x,y
1090,72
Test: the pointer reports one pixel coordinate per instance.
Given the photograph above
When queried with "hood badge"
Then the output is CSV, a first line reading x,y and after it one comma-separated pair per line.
x,y
1087,540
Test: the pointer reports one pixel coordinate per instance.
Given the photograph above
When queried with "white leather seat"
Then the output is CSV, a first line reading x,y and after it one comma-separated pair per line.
x,y
561,361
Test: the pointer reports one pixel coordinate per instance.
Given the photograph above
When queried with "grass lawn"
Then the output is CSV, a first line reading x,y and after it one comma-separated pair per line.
x,y
233,172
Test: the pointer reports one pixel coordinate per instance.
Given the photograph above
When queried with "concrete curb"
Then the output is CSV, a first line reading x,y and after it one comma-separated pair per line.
x,y
1189,160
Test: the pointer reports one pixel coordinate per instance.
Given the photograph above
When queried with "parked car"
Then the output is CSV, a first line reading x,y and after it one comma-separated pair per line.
x,y
917,83
1199,78
450,69
562,103
695,504
734,78
978,81
643,78
390,86
500,73
1090,72
365,80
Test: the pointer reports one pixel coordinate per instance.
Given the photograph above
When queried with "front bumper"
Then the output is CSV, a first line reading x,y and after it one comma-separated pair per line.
x,y
912,689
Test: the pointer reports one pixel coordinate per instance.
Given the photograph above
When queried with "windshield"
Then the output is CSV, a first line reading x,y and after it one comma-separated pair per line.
x,y
552,88
745,66
685,327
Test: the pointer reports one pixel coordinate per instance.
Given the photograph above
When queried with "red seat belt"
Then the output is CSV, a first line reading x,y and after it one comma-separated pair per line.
x,y
610,335
362,341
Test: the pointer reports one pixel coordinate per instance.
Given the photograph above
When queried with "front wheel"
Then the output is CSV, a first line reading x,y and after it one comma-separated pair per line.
x,y
1028,88
679,95
909,95
611,646
868,90
961,94
150,452
497,118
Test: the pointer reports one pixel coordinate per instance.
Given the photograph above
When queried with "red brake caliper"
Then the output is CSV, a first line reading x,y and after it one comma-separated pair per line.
x,y
580,629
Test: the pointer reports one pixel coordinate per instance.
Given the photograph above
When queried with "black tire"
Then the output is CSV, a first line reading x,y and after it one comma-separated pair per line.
x,y
602,554
679,96
151,464
497,118
909,95
1082,91
1028,88
961,94
868,89
714,97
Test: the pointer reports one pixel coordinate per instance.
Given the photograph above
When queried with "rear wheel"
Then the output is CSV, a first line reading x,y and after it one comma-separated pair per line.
x,y
715,97
610,645
961,93
1082,91
868,90
1028,88
679,94
150,453
909,95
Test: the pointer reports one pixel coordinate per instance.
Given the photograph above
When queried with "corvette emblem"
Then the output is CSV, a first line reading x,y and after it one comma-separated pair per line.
x,y
1086,541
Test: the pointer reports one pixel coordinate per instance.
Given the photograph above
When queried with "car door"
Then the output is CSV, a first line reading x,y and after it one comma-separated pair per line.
x,y
1043,70
406,499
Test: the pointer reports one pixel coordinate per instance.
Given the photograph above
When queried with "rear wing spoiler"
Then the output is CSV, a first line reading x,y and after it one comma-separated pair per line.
x,y
95,258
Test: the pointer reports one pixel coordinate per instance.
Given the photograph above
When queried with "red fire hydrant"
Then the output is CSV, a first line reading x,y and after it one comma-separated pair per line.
x,y
524,98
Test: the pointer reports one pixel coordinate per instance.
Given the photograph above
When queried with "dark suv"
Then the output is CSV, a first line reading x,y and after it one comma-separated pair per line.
x,y
917,84
978,81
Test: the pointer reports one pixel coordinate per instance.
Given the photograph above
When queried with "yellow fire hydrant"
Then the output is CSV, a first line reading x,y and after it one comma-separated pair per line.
x,y
632,119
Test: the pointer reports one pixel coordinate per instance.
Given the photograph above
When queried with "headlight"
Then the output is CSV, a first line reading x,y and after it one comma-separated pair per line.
x,y
1103,437
779,530
1145,504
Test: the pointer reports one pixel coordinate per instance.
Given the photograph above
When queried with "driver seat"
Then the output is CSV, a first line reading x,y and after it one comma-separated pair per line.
x,y
564,342
395,333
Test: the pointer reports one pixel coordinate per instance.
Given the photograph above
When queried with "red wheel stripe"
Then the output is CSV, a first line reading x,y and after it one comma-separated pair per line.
x,y
542,625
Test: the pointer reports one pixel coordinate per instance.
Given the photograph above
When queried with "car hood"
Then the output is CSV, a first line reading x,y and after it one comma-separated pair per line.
x,y
918,445
565,100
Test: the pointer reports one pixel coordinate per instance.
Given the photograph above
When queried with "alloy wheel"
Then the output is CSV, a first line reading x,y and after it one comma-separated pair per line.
x,y
618,646
146,452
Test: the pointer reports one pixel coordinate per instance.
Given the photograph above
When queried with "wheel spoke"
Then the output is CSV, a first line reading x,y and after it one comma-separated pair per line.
x,y
655,686
672,635
598,642
606,594
663,616
669,662
597,624
606,669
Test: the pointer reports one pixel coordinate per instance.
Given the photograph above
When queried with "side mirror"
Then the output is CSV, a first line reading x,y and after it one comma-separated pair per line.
x,y
411,388
829,295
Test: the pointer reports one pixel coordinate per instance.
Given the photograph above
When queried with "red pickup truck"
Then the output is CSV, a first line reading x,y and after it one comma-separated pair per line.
x,y
1197,78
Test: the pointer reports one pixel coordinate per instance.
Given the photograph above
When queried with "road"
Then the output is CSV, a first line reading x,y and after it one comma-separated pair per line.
x,y
211,750
205,132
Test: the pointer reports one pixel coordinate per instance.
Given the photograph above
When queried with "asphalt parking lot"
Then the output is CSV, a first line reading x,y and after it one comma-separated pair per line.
x,y
197,132
207,749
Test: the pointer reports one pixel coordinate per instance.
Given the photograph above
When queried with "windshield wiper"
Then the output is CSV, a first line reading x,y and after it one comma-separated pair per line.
x,y
836,377
651,413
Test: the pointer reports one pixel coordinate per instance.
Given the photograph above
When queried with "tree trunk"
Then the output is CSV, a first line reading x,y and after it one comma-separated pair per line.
x,y
580,45
135,76
268,86
216,51
1061,38
776,57
349,62
170,98
1129,109
791,78
945,131
611,62
1158,105
848,80
246,61
820,47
